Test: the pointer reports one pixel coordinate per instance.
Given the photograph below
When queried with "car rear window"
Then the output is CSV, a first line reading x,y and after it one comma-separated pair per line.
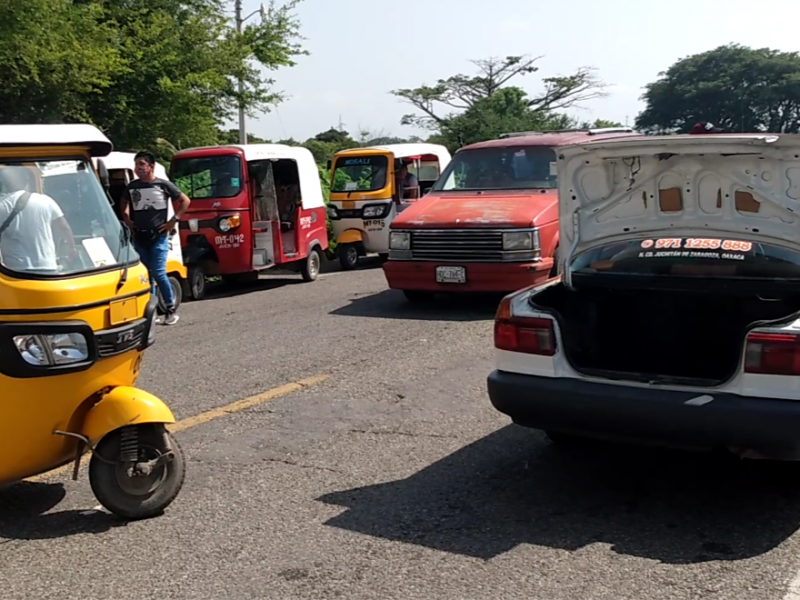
x,y
724,258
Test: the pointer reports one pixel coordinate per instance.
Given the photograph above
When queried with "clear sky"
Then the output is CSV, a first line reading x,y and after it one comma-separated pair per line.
x,y
362,49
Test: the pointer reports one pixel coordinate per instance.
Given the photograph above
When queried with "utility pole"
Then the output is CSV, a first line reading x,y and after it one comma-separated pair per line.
x,y
239,24
242,125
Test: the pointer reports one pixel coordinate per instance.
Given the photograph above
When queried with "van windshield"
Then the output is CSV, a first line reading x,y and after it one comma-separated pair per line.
x,y
359,174
208,176
56,220
725,258
505,168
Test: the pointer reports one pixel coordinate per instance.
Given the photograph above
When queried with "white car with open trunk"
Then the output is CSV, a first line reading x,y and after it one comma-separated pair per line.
x,y
675,320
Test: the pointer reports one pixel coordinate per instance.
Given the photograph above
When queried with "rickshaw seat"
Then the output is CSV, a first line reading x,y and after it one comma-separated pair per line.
x,y
287,226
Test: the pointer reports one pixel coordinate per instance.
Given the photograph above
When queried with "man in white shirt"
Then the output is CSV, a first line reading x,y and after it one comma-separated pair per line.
x,y
29,224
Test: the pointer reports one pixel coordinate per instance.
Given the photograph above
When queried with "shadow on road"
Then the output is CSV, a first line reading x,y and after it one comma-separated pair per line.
x,y
508,489
391,304
24,514
219,290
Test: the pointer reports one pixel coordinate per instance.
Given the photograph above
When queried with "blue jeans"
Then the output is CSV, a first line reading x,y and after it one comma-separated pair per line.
x,y
154,257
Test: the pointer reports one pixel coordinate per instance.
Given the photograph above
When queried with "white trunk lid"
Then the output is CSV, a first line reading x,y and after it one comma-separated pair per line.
x,y
732,186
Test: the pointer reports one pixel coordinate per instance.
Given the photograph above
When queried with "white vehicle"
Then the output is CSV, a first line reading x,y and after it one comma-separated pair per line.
x,y
121,171
365,198
675,321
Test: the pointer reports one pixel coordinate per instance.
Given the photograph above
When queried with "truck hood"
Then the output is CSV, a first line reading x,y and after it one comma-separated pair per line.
x,y
733,186
464,210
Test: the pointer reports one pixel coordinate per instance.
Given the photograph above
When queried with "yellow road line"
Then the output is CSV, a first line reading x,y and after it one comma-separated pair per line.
x,y
216,413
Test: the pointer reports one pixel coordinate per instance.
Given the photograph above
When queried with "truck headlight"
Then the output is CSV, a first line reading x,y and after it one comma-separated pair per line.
x,y
49,350
399,240
521,240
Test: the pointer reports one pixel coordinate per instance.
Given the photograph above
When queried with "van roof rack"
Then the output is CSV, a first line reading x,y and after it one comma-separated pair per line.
x,y
596,131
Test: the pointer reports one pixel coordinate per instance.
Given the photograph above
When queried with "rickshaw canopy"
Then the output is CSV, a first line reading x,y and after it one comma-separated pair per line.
x,y
410,150
68,134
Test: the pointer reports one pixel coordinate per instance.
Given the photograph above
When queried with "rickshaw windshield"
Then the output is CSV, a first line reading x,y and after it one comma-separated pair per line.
x,y
359,174
55,220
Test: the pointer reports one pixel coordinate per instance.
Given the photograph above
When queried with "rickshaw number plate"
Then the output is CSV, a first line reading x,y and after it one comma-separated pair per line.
x,y
451,275
123,311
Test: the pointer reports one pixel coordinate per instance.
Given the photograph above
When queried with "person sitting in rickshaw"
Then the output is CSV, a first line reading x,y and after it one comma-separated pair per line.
x,y
30,223
406,183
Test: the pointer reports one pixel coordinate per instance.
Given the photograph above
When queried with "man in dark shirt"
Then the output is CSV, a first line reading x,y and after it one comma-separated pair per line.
x,y
145,209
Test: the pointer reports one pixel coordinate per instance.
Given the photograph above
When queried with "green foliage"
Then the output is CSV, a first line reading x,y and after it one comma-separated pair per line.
x,y
735,87
142,70
463,109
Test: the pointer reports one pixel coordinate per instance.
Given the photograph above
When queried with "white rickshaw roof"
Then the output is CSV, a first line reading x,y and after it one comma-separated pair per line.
x,y
66,134
407,150
124,160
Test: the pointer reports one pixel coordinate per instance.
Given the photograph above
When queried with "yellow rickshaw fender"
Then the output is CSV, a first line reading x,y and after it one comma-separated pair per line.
x,y
350,236
176,268
124,406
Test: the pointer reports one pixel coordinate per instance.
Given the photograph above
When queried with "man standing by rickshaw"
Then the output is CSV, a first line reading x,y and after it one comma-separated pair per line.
x,y
144,206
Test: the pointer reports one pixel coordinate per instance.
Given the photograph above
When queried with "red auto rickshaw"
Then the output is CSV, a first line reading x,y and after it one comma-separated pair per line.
x,y
254,207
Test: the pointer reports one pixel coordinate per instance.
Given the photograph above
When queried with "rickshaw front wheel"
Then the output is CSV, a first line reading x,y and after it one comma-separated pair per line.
x,y
348,256
177,293
127,491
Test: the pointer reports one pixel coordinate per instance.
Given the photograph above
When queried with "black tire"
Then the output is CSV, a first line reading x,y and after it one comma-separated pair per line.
x,y
108,481
311,265
418,296
348,256
383,257
197,282
177,291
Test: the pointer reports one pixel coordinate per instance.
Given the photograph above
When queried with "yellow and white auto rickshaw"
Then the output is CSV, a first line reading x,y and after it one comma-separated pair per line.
x,y
76,316
367,193
121,172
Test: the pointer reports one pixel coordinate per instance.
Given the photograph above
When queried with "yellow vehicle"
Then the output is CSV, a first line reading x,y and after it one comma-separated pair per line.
x,y
121,172
76,315
368,191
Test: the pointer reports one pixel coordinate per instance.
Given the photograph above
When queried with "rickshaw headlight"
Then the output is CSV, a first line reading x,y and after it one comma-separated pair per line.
x,y
224,225
332,212
374,212
399,240
48,350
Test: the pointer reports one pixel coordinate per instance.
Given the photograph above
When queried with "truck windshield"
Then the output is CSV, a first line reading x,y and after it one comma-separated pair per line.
x,y
208,176
691,257
359,174
504,168
56,220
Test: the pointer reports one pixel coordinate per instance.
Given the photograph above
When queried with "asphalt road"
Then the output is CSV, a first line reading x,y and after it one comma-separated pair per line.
x,y
392,478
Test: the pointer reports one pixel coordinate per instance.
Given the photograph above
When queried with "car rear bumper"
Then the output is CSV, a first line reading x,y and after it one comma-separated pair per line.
x,y
481,277
651,415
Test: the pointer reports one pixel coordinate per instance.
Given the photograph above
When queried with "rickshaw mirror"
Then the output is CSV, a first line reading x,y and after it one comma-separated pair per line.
x,y
102,172
330,164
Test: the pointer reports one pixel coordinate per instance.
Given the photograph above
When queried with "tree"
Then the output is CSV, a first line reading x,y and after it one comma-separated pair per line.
x,y
735,87
463,92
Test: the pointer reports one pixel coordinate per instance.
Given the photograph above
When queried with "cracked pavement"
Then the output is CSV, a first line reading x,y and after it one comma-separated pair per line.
x,y
392,479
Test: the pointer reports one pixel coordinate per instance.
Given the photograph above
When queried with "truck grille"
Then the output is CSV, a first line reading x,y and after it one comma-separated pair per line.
x,y
471,245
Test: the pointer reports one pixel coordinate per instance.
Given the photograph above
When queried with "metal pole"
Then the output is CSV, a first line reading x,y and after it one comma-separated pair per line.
x,y
242,131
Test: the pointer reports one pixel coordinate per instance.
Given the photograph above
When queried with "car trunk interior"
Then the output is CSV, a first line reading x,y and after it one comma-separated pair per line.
x,y
633,334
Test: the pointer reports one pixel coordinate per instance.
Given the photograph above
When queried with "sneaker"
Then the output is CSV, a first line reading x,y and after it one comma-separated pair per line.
x,y
171,318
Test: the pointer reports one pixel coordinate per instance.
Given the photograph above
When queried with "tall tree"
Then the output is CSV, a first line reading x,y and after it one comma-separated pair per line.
x,y
435,103
735,87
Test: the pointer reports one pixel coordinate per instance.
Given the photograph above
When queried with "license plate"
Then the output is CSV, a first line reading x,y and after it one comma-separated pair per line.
x,y
451,275
123,311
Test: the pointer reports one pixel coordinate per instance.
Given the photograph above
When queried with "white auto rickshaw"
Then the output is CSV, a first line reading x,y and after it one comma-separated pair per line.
x,y
121,172
366,194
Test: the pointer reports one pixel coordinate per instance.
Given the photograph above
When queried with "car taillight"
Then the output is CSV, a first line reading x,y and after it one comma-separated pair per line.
x,y
772,354
529,335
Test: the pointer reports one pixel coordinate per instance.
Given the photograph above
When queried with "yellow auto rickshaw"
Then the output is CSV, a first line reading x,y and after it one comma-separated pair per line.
x,y
76,315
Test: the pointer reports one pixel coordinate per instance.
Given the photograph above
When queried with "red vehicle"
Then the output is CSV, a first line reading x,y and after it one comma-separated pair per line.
x,y
490,222
254,207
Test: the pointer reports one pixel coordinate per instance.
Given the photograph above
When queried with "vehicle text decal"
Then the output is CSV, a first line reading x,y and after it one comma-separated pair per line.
x,y
695,248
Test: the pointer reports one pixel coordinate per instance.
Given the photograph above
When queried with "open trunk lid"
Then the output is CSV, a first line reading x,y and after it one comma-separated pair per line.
x,y
738,187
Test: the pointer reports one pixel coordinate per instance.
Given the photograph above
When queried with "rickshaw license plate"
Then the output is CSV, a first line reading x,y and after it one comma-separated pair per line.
x,y
451,275
123,311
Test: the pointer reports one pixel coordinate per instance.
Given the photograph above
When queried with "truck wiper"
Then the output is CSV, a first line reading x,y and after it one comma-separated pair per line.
x,y
125,237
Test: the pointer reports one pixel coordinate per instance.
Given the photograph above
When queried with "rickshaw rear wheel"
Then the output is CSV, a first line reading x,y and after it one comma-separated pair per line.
x,y
142,496
310,268
177,292
348,256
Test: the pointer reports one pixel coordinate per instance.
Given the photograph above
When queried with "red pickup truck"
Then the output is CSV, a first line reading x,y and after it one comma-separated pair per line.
x,y
490,222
